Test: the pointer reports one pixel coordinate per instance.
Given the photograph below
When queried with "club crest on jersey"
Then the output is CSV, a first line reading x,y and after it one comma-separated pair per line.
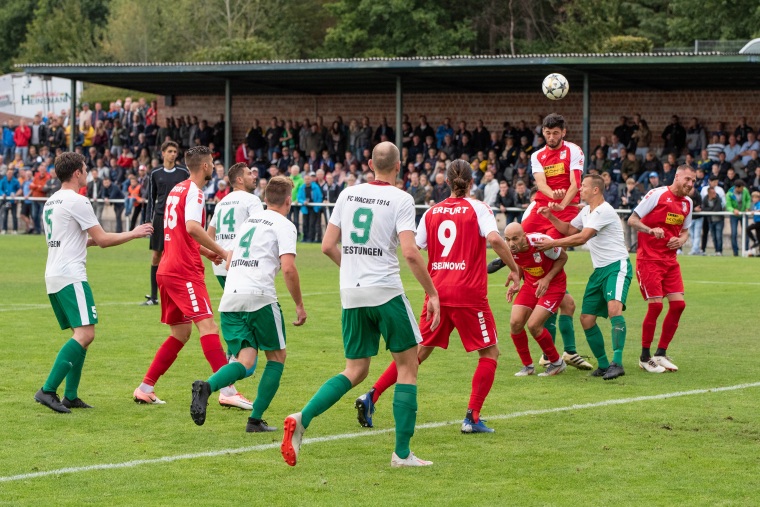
x,y
537,256
563,155
683,205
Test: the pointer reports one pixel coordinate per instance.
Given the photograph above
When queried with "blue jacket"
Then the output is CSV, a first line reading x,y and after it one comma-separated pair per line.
x,y
316,196
8,188
8,141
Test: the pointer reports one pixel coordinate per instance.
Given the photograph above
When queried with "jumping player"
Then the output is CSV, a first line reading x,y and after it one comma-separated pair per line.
x,y
68,219
370,221
184,298
455,233
662,220
251,316
607,289
160,182
538,298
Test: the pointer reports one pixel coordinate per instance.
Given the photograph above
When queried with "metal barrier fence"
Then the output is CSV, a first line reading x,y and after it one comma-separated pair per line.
x,y
744,215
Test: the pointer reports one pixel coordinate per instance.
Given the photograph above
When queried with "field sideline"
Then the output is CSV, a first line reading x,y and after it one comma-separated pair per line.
x,y
567,440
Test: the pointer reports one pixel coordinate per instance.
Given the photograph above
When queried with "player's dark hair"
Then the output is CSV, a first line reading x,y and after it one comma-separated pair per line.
x,y
66,164
459,176
277,191
169,144
553,121
236,171
596,181
194,156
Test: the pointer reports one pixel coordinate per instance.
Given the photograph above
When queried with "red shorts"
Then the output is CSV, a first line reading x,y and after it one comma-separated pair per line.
x,y
535,223
476,327
549,301
657,279
183,301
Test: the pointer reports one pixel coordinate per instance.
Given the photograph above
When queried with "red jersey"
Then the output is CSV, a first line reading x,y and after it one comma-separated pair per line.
x,y
182,257
558,166
662,208
454,233
535,264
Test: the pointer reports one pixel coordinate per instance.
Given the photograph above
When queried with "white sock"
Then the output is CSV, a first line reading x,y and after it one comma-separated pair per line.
x,y
228,391
146,388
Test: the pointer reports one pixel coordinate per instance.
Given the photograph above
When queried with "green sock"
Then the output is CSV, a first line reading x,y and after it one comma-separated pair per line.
x,y
618,338
268,385
405,414
567,331
68,356
327,396
596,342
226,376
72,379
551,326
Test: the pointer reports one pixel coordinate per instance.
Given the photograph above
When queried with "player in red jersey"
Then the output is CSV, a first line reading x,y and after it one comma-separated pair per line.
x,y
455,232
181,280
538,298
662,220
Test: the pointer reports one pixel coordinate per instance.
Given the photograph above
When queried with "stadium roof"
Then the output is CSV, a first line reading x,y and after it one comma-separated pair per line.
x,y
476,74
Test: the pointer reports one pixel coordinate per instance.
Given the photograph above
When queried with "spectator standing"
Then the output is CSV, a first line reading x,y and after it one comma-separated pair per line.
x,y
742,130
364,138
309,194
93,192
298,181
9,190
419,194
630,197
109,192
695,229
738,201
695,137
26,205
506,199
753,230
674,136
713,202
610,191
21,137
9,145
39,191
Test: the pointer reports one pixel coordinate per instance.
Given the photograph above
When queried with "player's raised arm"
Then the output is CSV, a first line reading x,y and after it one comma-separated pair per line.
x,y
105,239
564,228
417,265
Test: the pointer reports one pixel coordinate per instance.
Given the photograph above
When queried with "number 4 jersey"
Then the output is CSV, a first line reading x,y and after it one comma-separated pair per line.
x,y
454,233
182,257
370,217
229,215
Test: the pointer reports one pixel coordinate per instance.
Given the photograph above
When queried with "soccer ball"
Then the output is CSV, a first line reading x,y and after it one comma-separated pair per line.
x,y
555,86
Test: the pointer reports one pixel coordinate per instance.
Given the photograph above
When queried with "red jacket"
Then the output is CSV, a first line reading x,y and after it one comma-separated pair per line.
x,y
21,136
241,155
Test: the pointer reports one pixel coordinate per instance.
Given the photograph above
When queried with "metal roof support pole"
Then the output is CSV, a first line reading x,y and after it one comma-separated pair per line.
x,y
72,116
586,118
399,112
228,153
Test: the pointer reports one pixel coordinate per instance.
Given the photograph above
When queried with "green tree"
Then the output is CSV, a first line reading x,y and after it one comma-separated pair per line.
x,y
60,32
14,16
236,50
712,20
368,28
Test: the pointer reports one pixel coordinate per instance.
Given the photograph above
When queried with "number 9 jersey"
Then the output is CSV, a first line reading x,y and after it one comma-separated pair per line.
x,y
454,233
182,256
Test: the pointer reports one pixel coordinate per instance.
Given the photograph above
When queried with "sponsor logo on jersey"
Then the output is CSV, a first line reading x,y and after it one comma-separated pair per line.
x,y
537,271
674,219
554,170
456,266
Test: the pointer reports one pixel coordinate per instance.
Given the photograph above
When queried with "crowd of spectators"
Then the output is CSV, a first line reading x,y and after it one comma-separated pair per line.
x,y
122,145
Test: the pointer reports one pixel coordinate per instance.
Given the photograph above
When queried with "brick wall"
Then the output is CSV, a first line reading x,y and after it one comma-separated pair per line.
x,y
493,109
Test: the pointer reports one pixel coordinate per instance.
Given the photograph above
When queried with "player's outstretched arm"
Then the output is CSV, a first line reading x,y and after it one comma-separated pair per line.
x,y
199,234
330,243
293,283
417,265
105,239
563,228
502,250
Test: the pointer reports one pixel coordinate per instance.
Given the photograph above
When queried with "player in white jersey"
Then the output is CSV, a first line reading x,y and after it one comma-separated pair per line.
x,y
232,211
599,226
370,221
251,316
69,218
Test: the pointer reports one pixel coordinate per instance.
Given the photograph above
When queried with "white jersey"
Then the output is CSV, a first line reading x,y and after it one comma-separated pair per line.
x,y
67,216
370,217
263,238
229,215
608,245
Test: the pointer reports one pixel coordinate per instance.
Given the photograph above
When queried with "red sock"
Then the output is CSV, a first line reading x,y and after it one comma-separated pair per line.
x,y
212,349
547,345
387,379
670,324
163,360
650,324
482,381
521,345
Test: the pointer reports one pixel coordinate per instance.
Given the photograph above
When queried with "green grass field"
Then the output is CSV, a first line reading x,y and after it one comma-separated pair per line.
x,y
698,448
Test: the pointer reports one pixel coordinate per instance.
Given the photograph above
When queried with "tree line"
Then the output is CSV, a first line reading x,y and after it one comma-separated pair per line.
x,y
66,31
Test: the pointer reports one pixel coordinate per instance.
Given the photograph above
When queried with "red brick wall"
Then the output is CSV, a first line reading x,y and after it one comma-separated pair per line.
x,y
493,109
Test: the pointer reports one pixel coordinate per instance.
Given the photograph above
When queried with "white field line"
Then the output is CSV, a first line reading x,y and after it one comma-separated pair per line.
x,y
20,307
364,434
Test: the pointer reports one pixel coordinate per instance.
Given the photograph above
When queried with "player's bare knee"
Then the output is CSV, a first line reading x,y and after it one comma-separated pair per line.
x,y
535,328
490,352
516,326
587,320
84,335
276,355
567,306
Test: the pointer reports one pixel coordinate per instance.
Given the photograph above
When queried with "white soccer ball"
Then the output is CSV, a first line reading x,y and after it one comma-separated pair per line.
x,y
555,86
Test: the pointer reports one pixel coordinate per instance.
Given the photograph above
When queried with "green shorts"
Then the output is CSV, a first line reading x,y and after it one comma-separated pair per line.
x,y
609,283
363,326
222,280
263,329
74,306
